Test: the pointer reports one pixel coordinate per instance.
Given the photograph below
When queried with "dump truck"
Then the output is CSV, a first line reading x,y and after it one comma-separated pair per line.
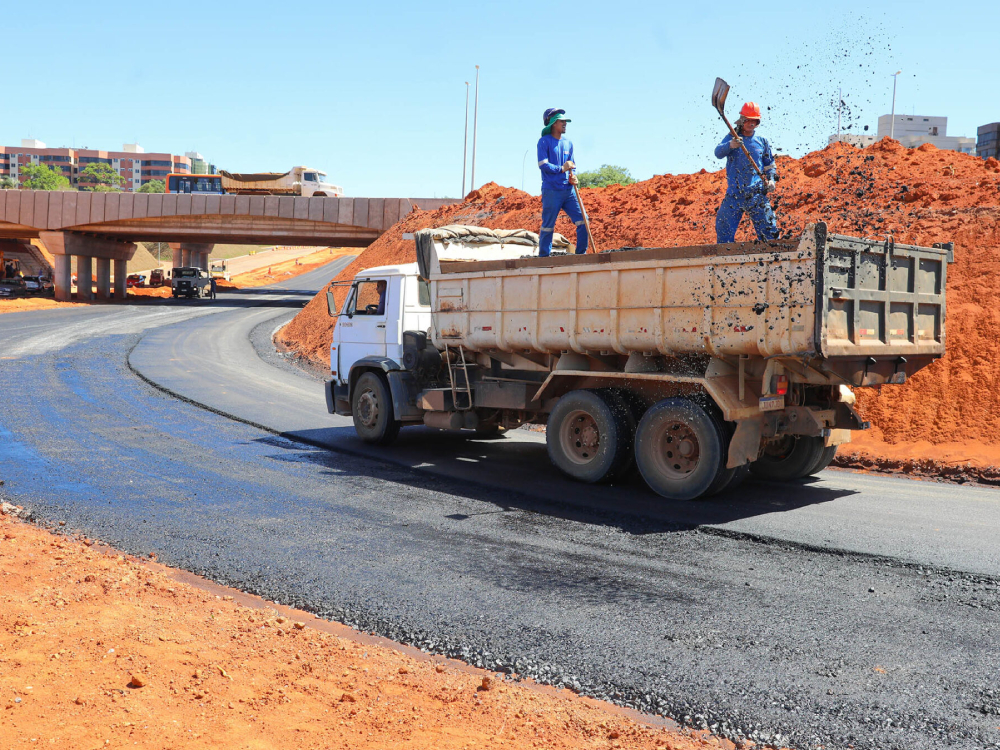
x,y
302,181
697,365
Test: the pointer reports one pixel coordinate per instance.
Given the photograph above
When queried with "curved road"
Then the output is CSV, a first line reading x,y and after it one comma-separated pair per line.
x,y
852,609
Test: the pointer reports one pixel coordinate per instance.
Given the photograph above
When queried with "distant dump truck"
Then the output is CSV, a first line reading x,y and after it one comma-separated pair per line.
x,y
296,181
190,282
698,364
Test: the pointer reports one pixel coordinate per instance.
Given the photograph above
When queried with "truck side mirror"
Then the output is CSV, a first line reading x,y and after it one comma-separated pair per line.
x,y
331,305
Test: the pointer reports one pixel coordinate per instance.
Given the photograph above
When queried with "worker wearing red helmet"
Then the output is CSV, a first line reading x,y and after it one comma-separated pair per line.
x,y
746,192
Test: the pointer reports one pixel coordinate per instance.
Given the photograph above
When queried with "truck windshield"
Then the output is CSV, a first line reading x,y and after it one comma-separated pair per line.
x,y
185,273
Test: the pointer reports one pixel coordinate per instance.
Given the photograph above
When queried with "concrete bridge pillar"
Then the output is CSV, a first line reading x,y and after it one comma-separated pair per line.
x,y
103,278
121,273
62,277
192,254
178,259
64,245
84,278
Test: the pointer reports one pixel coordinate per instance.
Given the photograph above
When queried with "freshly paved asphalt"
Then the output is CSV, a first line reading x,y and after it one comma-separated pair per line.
x,y
850,610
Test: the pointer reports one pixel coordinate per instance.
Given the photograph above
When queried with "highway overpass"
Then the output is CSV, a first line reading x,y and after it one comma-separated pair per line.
x,y
101,229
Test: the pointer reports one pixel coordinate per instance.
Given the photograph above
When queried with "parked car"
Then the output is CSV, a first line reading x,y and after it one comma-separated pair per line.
x,y
135,279
156,277
47,286
13,287
32,285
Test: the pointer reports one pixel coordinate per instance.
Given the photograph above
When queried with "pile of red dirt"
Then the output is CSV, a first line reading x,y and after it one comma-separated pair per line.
x,y
920,196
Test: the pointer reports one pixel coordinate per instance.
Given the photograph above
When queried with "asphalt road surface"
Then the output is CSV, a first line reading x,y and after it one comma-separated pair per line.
x,y
848,610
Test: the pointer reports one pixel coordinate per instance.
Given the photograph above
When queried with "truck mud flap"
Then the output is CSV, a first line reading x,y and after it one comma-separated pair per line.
x,y
403,387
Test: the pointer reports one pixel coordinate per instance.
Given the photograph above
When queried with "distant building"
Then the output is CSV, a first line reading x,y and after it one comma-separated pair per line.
x,y
855,139
135,166
988,143
198,163
916,130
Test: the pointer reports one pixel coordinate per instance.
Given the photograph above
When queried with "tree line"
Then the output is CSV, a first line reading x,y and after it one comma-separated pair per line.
x,y
97,177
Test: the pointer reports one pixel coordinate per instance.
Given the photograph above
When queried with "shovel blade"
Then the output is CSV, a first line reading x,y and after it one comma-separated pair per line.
x,y
719,94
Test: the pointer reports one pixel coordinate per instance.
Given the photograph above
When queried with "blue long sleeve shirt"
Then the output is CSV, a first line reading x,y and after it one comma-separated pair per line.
x,y
741,175
552,154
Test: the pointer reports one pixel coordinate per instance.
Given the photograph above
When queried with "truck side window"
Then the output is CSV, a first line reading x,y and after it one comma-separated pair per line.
x,y
367,299
424,293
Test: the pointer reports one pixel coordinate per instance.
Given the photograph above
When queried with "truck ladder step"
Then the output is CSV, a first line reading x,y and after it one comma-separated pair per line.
x,y
463,388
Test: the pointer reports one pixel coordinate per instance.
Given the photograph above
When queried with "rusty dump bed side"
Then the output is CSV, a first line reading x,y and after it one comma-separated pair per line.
x,y
874,306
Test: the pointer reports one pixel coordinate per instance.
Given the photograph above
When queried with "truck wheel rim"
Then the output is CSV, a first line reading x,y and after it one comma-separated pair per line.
x,y
580,437
368,409
779,450
679,450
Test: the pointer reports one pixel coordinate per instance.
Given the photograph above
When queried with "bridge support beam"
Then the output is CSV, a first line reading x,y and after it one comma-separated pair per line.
x,y
62,277
103,278
121,273
84,278
67,244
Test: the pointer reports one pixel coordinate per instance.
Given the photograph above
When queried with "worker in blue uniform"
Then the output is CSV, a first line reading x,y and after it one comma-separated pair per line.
x,y
555,160
746,192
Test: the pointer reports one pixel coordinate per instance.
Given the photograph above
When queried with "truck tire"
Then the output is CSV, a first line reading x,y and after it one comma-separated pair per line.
x,y
584,437
725,478
371,408
791,457
679,448
825,459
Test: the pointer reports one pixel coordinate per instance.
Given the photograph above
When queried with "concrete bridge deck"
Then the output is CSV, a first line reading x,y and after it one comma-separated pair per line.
x,y
105,226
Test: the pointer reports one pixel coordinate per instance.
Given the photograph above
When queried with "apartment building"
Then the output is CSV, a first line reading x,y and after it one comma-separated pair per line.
x,y
199,165
135,166
916,130
988,142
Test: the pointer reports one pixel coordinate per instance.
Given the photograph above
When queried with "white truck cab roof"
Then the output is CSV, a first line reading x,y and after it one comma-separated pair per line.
x,y
403,269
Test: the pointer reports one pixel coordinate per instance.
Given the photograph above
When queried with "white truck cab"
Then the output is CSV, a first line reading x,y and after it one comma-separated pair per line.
x,y
382,303
313,182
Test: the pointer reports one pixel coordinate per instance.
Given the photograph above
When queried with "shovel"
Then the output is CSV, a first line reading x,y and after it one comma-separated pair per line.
x,y
719,94
586,219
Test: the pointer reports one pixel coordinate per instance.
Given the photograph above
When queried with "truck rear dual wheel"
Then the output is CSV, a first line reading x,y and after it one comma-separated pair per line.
x,y
680,450
371,408
586,439
792,457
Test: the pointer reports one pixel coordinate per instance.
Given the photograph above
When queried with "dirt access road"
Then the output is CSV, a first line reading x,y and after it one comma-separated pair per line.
x,y
676,608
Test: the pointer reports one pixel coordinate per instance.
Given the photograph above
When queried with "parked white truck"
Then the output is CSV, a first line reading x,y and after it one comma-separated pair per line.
x,y
698,364
302,181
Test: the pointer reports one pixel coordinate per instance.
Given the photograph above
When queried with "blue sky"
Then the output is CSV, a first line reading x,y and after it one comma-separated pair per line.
x,y
374,94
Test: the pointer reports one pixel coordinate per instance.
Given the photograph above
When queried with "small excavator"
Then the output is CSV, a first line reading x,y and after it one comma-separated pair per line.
x,y
9,269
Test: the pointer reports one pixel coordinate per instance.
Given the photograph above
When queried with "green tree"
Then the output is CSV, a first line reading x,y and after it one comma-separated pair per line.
x,y
8,183
40,177
154,186
104,177
608,174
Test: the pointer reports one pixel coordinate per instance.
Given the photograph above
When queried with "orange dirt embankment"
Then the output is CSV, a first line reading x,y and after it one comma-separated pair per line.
x,y
921,196
101,650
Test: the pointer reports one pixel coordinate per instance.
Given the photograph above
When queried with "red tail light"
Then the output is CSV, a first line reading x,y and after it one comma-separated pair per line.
x,y
781,385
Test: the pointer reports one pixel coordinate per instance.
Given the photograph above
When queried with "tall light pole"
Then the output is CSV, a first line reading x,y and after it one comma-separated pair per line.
x,y
840,106
892,117
522,166
475,130
465,142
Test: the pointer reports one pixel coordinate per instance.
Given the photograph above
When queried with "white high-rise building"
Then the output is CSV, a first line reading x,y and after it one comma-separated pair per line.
x,y
916,130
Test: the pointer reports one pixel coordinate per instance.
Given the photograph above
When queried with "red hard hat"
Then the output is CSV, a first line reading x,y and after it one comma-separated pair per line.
x,y
751,111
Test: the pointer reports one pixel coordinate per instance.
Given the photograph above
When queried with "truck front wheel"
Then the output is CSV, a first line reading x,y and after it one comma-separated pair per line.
x,y
679,449
371,407
584,437
790,457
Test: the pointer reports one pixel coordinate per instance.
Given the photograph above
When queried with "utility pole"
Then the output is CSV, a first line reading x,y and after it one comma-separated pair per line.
x,y
475,130
465,133
892,117
522,166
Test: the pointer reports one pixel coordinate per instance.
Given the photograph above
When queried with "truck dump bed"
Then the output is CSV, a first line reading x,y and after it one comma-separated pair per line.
x,y
868,311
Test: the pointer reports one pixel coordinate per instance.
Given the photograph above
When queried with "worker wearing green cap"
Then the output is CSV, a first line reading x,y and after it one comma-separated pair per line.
x,y
555,160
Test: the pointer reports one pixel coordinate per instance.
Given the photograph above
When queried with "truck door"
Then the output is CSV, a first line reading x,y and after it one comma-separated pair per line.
x,y
363,322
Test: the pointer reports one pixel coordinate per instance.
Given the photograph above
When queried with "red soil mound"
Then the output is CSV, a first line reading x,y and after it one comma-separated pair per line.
x,y
919,195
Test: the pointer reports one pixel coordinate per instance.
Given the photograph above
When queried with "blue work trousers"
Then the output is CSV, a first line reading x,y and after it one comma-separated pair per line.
x,y
554,201
754,203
